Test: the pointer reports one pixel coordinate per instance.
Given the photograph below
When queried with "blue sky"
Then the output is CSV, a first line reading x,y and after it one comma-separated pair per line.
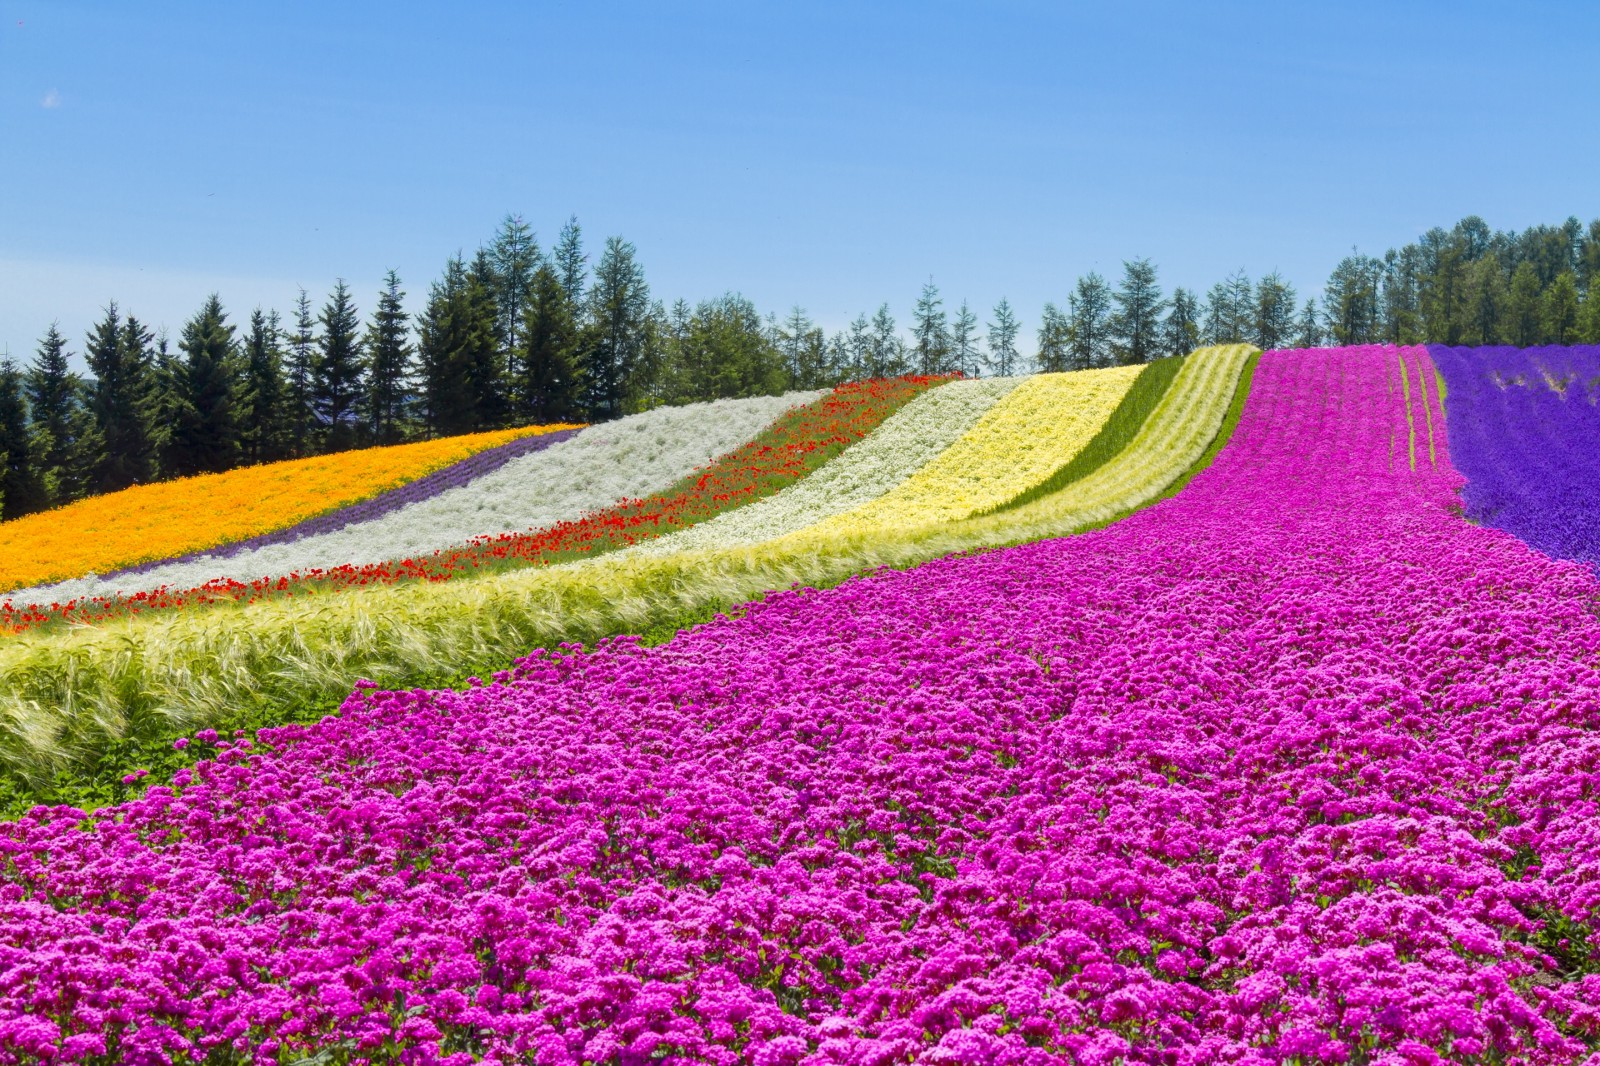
x,y
828,155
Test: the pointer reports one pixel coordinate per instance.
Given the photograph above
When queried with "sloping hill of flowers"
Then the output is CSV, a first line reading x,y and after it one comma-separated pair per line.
x,y
80,708
1525,430
1288,767
169,518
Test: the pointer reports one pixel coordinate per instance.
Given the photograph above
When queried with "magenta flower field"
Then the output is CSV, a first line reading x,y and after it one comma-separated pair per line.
x,y
1297,766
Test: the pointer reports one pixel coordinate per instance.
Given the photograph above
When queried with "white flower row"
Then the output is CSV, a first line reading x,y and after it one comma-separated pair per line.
x,y
625,459
909,439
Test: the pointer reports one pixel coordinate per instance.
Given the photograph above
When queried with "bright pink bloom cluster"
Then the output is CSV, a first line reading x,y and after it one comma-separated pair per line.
x,y
1296,766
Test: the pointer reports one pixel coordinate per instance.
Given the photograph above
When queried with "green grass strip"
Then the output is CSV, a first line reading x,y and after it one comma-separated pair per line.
x,y
1118,432
1411,422
1427,413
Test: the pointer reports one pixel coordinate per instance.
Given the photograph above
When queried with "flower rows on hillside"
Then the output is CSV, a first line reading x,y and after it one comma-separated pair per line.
x,y
570,500
1290,767
1525,430
170,518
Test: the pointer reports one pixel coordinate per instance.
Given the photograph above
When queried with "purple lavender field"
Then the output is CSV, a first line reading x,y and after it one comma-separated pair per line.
x,y
1525,430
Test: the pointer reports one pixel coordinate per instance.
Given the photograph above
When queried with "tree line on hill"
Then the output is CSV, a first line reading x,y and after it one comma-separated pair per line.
x,y
517,335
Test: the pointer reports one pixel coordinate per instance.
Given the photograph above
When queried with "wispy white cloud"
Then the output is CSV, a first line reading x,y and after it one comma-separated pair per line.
x,y
51,99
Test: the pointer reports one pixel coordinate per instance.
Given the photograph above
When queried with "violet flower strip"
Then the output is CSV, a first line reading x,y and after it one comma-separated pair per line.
x,y
1294,766
1527,428
456,474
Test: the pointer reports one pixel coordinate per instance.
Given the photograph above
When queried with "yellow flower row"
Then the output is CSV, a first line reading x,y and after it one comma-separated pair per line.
x,y
1030,434
172,518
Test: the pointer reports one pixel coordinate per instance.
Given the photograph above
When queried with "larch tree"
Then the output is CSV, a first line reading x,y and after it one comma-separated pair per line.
x,y
1004,359
1056,352
1274,312
618,321
1558,310
1180,332
966,349
1088,322
1135,326
570,262
930,332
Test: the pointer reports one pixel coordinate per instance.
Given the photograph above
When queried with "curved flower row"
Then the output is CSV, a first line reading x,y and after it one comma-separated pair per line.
x,y
897,449
626,459
172,517
1292,767
1019,443
1525,430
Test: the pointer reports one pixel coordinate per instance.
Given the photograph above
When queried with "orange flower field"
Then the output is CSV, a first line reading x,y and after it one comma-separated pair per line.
x,y
191,514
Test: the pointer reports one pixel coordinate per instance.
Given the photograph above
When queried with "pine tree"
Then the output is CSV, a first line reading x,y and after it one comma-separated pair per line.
x,y
570,263
619,306
1004,360
1558,310
514,256
1135,327
21,489
1180,333
1308,328
337,385
301,371
1056,352
263,400
205,434
121,451
1274,312
387,400
1088,324
966,350
549,388
54,396
930,345
1520,326
887,355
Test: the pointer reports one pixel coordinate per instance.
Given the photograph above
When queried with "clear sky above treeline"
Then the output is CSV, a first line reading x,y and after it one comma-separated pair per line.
x,y
831,155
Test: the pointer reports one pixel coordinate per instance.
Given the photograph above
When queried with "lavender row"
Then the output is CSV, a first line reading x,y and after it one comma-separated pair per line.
x,y
449,477
1525,430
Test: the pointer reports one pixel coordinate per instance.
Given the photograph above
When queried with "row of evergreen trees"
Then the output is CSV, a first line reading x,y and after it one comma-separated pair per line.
x,y
517,335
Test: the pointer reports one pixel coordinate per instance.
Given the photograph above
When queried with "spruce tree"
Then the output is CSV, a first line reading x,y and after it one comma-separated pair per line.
x,y
570,263
336,386
1274,312
930,334
485,359
1135,327
548,386
1180,333
205,434
1004,360
21,489
300,372
442,330
1088,323
514,256
264,398
121,449
54,396
1056,352
619,306
1558,310
388,396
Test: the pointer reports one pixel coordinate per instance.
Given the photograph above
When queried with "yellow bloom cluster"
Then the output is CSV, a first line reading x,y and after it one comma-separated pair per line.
x,y
171,518
1022,440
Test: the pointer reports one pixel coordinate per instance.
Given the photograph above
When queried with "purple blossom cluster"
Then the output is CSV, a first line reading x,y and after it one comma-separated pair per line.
x,y
1525,430
453,476
1295,766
